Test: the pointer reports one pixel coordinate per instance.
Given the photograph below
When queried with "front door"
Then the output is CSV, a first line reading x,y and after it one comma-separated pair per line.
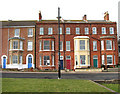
x,y
68,64
95,62
61,63
4,62
29,61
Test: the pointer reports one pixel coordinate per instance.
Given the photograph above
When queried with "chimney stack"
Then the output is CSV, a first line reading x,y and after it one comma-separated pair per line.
x,y
40,16
85,17
106,16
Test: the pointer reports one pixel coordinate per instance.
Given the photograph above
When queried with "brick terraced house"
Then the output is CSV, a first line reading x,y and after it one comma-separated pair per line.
x,y
17,44
83,43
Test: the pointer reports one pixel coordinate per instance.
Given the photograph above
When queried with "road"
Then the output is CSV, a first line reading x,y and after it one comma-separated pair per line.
x,y
87,76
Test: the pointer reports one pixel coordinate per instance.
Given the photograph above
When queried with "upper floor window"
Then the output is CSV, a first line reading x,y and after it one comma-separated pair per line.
x,y
60,30
103,30
40,45
102,45
67,30
21,45
111,30
86,30
67,45
15,44
30,45
52,45
94,30
50,31
46,45
61,45
82,44
30,32
77,30
41,31
94,45
17,32
108,45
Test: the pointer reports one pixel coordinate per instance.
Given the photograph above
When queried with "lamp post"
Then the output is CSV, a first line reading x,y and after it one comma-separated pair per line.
x,y
59,65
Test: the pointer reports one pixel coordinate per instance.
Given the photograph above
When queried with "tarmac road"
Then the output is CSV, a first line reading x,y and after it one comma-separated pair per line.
x,y
54,75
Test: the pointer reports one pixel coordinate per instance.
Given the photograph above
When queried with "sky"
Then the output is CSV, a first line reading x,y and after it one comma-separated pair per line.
x,y
69,9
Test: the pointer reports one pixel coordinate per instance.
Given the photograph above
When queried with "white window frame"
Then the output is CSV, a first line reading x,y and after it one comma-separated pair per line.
x,y
53,63
111,29
52,45
41,31
20,59
68,30
108,45
88,45
103,59
102,45
94,30
21,45
107,59
14,59
114,60
47,61
68,57
67,46
94,45
83,60
76,48
61,46
50,31
46,45
113,45
10,44
77,29
40,60
82,45
76,60
30,32
103,30
15,44
60,30
30,46
17,33
40,45
86,30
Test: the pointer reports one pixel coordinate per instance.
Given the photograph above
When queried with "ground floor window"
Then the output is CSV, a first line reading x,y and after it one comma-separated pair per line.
x,y
40,61
20,59
46,60
76,61
15,59
82,59
109,59
103,61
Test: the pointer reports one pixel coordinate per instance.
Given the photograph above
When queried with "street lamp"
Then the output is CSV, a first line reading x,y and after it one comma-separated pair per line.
x,y
59,65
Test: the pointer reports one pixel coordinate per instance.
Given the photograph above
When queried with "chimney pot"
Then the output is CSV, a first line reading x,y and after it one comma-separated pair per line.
x,y
40,16
85,17
106,16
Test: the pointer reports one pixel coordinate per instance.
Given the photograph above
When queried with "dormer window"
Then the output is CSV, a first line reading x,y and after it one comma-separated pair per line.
x,y
17,32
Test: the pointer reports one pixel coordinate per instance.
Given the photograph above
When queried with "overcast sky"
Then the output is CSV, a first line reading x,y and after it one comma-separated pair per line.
x,y
70,9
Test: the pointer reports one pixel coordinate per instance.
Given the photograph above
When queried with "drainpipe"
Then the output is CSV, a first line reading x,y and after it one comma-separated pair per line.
x,y
35,48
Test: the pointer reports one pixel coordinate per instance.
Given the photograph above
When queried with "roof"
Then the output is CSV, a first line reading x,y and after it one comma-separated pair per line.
x,y
18,23
75,21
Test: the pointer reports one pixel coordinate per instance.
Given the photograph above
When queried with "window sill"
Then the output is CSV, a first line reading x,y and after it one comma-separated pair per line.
x,y
68,50
108,49
30,36
16,50
29,50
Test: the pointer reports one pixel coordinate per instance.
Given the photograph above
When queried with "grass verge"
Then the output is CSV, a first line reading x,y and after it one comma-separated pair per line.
x,y
49,85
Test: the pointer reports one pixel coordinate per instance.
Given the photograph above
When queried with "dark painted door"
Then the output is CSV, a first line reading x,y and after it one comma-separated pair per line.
x,y
95,62
68,64
61,63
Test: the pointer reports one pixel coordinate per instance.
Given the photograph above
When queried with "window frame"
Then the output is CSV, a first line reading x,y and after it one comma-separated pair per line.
x,y
94,30
41,31
109,45
30,46
45,45
30,34
50,31
17,33
14,59
15,46
111,29
94,45
46,64
77,30
86,30
107,59
67,46
103,30
82,60
83,45
68,30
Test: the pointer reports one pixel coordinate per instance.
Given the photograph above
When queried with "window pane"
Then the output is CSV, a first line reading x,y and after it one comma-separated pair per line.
x,y
94,45
41,31
103,30
21,45
46,45
17,32
82,44
67,45
46,60
15,44
15,59
68,30
30,45
77,30
82,59
61,45
111,30
86,30
60,30
108,44
30,32
50,31
109,59
94,30
102,45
